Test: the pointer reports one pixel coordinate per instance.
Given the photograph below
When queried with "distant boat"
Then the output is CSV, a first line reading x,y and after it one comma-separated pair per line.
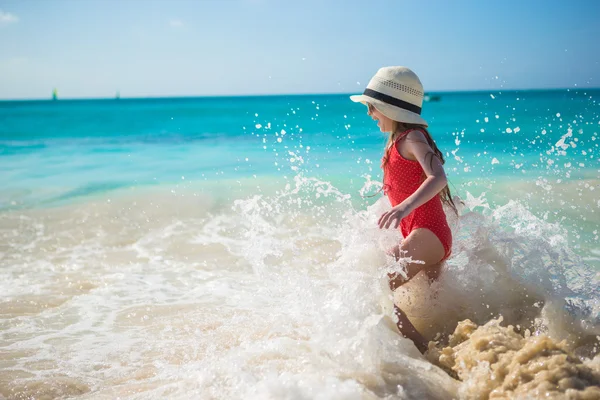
x,y
432,97
54,94
118,95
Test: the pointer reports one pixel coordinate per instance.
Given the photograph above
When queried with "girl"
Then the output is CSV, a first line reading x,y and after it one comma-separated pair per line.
x,y
413,179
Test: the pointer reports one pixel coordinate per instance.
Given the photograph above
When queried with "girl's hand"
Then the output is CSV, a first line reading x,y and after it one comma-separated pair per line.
x,y
393,217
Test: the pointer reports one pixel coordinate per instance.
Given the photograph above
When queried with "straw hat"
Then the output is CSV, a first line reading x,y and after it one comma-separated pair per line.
x,y
397,93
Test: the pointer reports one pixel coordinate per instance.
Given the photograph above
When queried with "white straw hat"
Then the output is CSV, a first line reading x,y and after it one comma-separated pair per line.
x,y
397,93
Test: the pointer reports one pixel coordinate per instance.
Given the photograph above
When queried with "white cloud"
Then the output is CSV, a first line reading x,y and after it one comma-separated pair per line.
x,y
175,23
7,18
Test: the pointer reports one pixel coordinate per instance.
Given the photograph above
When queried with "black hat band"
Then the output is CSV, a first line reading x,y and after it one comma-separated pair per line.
x,y
392,101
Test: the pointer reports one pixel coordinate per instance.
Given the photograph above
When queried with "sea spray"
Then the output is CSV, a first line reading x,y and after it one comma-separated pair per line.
x,y
166,293
496,362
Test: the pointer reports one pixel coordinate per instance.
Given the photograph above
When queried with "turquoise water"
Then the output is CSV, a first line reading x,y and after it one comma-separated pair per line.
x,y
52,152
222,247
158,140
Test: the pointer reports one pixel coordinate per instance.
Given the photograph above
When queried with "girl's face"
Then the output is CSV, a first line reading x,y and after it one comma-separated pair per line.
x,y
384,123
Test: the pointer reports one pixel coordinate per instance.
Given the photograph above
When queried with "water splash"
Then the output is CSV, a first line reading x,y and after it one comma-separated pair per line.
x,y
167,293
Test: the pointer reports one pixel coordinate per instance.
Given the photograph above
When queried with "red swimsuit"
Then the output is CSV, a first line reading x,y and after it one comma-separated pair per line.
x,y
402,178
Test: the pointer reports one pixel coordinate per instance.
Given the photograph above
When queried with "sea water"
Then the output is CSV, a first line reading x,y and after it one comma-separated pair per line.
x,y
227,247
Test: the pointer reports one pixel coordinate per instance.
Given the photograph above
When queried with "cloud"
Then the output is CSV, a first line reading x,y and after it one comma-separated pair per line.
x,y
175,23
7,18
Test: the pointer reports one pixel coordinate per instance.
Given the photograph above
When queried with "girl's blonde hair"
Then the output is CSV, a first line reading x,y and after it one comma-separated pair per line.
x,y
400,127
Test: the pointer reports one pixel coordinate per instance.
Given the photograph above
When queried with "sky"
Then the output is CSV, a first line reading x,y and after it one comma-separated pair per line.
x,y
151,48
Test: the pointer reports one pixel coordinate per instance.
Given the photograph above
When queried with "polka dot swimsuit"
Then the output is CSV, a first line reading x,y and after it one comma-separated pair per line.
x,y
402,178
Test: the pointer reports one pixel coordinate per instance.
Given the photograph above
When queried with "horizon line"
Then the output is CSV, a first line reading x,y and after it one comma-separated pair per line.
x,y
208,96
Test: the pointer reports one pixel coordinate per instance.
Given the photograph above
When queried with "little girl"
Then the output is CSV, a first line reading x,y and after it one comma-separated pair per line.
x,y
413,179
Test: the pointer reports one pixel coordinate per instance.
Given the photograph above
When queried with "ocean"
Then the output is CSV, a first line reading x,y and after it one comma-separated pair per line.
x,y
227,247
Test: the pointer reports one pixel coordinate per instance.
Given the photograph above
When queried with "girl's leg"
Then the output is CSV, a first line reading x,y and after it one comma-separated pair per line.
x,y
408,330
422,245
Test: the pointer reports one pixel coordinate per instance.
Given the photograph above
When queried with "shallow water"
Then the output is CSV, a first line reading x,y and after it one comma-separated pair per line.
x,y
152,265
272,296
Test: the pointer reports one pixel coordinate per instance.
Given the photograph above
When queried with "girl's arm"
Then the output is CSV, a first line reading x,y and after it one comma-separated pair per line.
x,y
416,146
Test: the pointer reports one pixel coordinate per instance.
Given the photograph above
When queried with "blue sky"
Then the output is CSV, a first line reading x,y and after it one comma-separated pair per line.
x,y
93,48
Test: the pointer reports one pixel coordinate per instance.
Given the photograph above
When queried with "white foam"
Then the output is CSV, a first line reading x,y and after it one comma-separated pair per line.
x,y
268,296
